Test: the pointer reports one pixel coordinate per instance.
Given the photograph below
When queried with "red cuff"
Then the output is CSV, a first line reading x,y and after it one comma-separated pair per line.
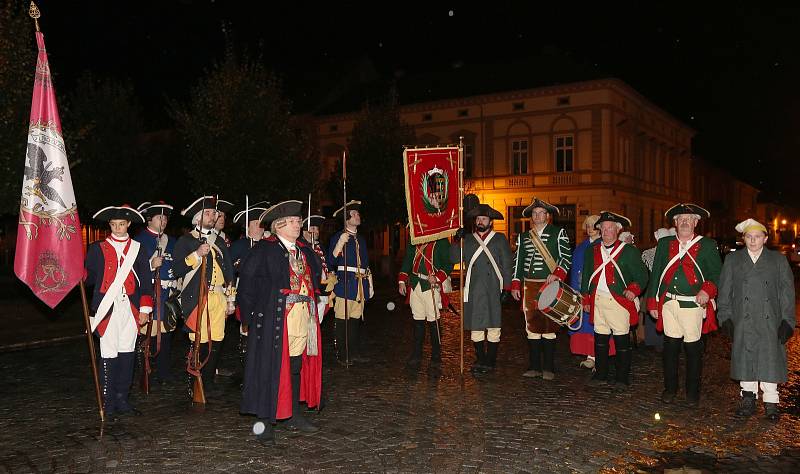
x,y
146,300
710,288
441,275
402,277
506,288
560,273
516,285
586,299
634,288
652,304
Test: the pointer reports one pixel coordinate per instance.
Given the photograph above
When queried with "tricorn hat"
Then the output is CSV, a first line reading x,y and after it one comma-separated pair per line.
x,y
124,212
149,209
281,210
205,202
254,211
686,208
313,221
608,216
551,209
484,210
224,206
351,206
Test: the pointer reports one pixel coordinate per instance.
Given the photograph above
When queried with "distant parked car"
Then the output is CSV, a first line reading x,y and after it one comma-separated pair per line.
x,y
727,246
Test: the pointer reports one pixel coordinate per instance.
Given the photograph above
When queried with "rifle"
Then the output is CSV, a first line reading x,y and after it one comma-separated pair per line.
x,y
146,369
194,365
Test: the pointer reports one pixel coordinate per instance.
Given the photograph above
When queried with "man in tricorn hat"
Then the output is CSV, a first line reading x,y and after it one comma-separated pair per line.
x,y
489,266
680,297
757,307
543,256
250,218
613,278
348,246
158,247
224,209
425,269
203,243
277,292
121,302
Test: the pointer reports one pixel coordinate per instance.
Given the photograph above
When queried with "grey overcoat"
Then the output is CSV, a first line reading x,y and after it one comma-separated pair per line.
x,y
756,298
483,310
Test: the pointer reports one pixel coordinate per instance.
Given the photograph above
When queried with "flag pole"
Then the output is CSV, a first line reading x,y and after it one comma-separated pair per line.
x,y
345,215
92,355
461,244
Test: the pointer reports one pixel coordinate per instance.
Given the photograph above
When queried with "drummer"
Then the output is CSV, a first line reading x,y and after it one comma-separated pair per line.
x,y
543,256
613,278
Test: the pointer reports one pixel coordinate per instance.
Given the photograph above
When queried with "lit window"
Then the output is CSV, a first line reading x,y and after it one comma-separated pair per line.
x,y
469,157
519,157
565,150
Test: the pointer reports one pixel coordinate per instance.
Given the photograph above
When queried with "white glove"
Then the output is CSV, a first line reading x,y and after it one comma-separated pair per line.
x,y
337,250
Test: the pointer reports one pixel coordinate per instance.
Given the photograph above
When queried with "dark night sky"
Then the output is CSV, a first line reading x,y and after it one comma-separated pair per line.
x,y
731,72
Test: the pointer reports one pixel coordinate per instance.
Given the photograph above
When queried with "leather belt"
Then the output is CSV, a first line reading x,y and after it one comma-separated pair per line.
x,y
675,297
362,271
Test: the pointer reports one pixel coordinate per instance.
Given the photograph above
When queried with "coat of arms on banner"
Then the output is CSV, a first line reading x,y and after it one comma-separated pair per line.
x,y
431,182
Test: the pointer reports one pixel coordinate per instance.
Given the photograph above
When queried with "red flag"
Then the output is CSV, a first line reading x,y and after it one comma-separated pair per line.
x,y
49,256
431,181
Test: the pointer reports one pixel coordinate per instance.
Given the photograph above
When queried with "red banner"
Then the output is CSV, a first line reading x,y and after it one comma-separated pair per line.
x,y
432,199
49,255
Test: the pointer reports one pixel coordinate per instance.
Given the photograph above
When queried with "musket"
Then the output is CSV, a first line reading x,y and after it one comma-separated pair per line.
x,y
146,342
344,254
194,364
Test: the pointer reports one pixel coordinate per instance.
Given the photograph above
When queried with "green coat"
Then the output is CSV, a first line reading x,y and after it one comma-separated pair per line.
x,y
634,273
683,277
530,264
417,262
756,298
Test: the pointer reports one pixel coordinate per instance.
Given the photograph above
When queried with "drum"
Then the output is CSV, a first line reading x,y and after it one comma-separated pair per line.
x,y
559,302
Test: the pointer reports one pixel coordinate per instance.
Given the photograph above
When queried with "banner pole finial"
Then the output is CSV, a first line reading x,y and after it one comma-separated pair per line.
x,y
34,13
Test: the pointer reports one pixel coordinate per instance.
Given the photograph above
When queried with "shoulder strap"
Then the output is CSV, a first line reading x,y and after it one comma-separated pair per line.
x,y
116,285
548,259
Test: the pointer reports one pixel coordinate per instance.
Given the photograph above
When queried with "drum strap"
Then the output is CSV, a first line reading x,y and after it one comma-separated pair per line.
x,y
483,248
540,247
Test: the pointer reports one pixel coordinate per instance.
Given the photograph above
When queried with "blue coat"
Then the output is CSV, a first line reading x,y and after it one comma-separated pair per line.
x,y
149,241
575,275
263,275
335,262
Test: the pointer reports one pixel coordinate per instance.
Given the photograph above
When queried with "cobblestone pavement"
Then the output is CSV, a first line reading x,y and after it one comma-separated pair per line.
x,y
382,417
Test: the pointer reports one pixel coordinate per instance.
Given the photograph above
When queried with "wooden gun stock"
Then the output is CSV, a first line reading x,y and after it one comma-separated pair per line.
x,y
195,365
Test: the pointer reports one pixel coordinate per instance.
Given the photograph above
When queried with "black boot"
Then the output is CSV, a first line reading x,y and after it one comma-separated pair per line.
x,y
694,368
298,421
416,349
771,411
534,359
436,344
107,384
600,358
491,354
548,355
267,436
122,381
669,356
747,405
354,325
623,346
210,369
163,358
480,354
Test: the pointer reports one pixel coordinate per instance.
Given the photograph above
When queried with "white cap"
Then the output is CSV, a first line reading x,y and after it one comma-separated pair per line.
x,y
750,224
